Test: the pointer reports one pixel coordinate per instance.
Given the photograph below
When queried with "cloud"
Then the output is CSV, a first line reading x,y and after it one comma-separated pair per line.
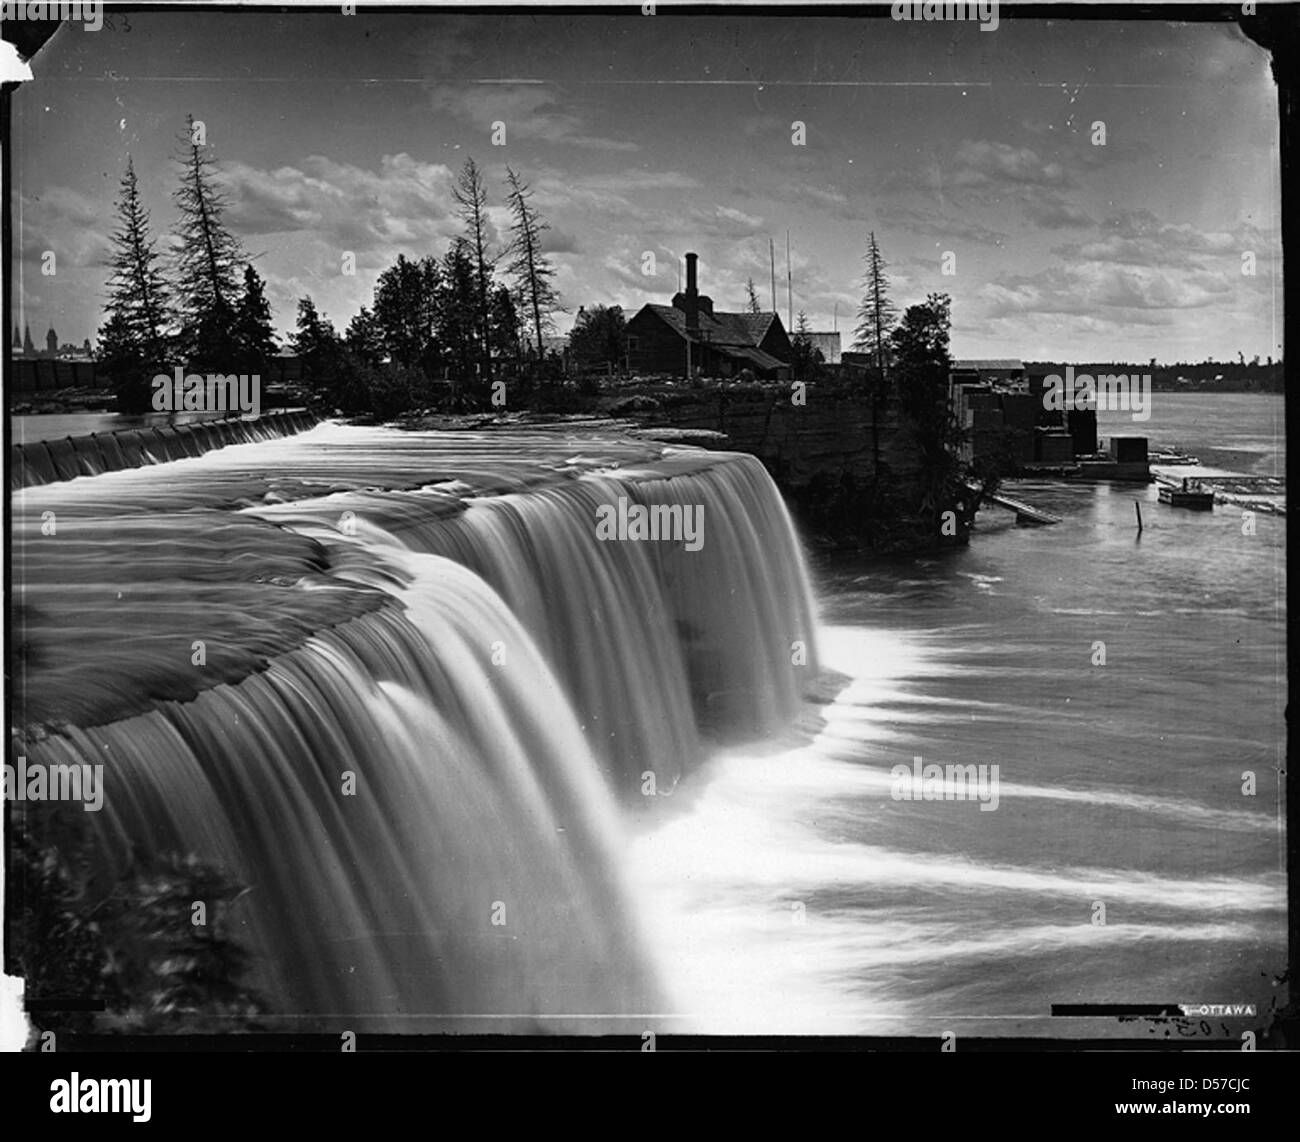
x,y
75,227
949,227
612,192
1139,238
992,164
1051,211
1092,288
1138,280
529,111
406,203
555,241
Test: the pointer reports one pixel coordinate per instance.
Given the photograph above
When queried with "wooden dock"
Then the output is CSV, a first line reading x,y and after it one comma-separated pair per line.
x,y
1026,514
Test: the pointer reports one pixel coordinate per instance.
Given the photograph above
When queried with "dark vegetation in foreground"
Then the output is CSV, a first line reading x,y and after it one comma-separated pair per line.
x,y
104,950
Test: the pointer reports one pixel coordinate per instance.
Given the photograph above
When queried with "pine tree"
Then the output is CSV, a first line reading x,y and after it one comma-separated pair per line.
x,y
317,347
752,303
920,350
599,336
456,322
531,270
406,313
470,194
805,356
253,328
364,337
137,288
207,262
315,336
505,323
876,315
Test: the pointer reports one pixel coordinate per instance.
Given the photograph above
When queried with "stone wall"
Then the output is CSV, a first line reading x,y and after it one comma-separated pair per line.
x,y
843,463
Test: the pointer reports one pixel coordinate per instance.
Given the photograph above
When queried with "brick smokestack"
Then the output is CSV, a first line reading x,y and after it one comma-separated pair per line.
x,y
692,294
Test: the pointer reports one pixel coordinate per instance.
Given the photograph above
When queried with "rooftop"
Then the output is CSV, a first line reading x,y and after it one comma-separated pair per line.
x,y
990,363
742,329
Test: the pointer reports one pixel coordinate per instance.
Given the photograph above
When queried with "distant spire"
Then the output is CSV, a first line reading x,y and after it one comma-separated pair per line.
x,y
28,345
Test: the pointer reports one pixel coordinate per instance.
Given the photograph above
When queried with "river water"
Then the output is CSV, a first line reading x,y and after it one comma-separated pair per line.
x,y
479,660
791,892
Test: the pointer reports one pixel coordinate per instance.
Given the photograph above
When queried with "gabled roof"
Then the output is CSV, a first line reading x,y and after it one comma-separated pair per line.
x,y
741,329
755,356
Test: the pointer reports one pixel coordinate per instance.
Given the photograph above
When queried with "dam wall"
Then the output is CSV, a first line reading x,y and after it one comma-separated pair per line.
x,y
39,462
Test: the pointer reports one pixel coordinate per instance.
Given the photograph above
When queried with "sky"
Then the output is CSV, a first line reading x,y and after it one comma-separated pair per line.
x,y
339,135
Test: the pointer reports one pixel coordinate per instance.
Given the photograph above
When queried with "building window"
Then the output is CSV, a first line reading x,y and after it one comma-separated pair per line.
x,y
632,345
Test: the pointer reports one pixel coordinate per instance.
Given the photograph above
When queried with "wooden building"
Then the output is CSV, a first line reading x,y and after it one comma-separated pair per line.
x,y
661,338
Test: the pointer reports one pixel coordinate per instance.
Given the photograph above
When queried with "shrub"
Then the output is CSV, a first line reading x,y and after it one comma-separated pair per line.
x,y
126,939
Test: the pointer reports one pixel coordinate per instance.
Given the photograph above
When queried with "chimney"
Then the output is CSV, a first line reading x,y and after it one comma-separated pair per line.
x,y
692,295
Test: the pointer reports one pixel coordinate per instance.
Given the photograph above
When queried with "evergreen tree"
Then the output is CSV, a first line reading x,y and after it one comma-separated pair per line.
x,y
253,328
119,359
406,312
135,338
805,357
339,376
470,194
599,336
456,311
364,337
137,288
504,323
752,304
919,348
531,270
314,339
207,261
876,314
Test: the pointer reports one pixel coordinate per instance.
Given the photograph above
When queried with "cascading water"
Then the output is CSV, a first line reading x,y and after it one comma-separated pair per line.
x,y
394,682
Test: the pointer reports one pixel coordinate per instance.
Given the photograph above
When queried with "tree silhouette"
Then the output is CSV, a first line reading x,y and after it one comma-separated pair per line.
x,y
470,194
253,328
531,270
876,314
207,259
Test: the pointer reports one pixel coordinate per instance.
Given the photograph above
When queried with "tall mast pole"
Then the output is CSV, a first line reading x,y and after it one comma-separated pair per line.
x,y
789,286
771,253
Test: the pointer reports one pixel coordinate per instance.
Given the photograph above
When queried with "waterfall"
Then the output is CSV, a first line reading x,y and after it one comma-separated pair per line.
x,y
398,687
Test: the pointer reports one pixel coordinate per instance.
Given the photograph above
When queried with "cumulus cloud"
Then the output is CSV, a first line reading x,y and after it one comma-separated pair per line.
x,y
1139,238
1093,287
405,203
73,226
1138,271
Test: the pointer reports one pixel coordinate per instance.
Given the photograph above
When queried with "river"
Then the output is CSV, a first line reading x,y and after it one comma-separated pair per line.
x,y
792,892
1127,687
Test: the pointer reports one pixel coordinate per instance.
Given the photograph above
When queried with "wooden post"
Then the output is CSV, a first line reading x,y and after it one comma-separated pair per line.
x,y
1137,507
